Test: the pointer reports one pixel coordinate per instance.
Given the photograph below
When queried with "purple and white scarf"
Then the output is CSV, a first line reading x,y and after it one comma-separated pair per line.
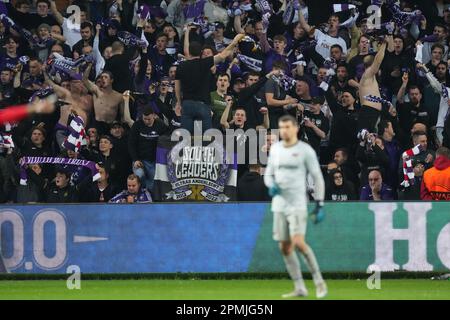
x,y
52,160
251,63
376,99
131,40
402,18
77,135
144,12
41,93
67,68
343,7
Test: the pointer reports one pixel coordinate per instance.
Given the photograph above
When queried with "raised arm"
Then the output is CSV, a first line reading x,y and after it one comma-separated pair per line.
x,y
435,84
238,24
222,56
226,113
266,120
375,67
401,92
303,22
99,60
186,41
92,87
265,46
61,92
17,76
125,105
58,16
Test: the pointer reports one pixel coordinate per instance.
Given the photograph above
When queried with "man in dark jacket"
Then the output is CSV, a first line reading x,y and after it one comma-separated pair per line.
x,y
99,191
142,144
251,185
62,192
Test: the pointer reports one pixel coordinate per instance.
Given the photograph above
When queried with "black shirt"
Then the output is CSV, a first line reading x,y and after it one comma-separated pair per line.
x,y
194,76
322,123
118,65
409,114
143,140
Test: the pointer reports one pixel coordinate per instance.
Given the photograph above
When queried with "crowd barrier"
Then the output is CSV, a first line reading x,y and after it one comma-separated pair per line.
x,y
229,237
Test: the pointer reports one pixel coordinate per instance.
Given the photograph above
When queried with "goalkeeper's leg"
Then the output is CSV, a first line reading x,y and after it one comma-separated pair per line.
x,y
293,267
311,262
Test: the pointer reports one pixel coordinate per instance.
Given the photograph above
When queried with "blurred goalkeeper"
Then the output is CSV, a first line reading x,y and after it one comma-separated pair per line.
x,y
289,163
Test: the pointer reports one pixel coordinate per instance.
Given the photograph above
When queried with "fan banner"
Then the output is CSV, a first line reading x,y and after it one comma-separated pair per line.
x,y
193,172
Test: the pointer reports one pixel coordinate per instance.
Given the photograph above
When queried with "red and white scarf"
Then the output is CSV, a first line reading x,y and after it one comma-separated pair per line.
x,y
408,170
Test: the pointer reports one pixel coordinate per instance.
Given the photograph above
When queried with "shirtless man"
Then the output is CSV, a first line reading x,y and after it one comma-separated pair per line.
x,y
79,101
369,114
107,102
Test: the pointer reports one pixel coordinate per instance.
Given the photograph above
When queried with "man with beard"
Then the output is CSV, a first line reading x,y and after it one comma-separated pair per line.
x,y
440,88
340,83
107,102
413,111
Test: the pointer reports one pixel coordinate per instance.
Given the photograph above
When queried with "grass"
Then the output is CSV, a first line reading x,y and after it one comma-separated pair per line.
x,y
219,289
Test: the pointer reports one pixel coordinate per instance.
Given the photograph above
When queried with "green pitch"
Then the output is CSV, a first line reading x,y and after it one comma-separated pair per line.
x,y
218,289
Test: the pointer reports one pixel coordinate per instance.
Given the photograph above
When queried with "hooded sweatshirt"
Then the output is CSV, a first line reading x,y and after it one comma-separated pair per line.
x,y
344,192
436,181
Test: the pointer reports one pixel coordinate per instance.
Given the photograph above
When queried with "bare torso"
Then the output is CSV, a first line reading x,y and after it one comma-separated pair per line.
x,y
106,105
369,86
82,105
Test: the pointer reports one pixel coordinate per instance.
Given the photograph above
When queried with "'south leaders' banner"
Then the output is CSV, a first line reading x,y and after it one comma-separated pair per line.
x,y
188,172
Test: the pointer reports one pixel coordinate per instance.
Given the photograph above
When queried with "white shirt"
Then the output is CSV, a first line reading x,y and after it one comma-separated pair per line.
x,y
288,168
71,32
325,42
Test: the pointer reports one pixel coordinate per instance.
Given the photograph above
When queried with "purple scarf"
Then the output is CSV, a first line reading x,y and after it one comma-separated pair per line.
x,y
131,40
194,10
63,161
66,67
77,137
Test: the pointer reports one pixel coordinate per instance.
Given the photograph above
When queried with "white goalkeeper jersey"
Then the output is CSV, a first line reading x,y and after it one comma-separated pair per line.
x,y
288,167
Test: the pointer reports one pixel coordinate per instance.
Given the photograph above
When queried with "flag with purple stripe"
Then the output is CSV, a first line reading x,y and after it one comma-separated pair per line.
x,y
191,172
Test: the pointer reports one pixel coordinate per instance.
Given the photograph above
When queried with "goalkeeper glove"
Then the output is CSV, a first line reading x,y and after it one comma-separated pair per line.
x,y
274,190
318,214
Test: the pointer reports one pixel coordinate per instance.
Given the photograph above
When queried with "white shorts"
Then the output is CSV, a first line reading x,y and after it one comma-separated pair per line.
x,y
289,223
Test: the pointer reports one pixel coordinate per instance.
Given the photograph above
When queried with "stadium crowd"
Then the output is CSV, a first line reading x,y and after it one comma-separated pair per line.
x,y
132,71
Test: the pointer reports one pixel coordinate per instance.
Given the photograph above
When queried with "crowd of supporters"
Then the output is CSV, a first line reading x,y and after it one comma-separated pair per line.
x,y
133,71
